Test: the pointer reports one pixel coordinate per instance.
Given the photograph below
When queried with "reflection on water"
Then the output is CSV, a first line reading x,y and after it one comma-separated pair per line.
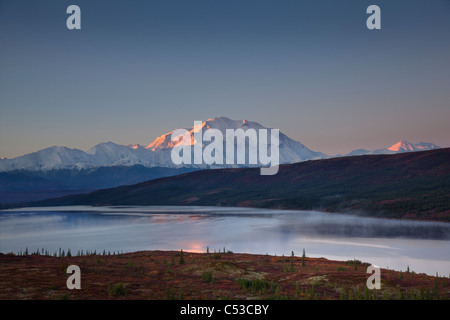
x,y
423,246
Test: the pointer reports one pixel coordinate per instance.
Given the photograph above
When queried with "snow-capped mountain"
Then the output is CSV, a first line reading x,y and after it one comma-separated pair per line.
x,y
290,151
399,147
50,158
156,154
405,146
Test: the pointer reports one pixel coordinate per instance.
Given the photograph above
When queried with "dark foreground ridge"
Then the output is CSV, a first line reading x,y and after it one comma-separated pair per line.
x,y
413,185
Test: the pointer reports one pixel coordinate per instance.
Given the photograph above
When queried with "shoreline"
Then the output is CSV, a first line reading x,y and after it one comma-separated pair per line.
x,y
13,207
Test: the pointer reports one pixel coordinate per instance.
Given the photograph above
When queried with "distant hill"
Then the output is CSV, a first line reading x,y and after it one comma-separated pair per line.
x,y
413,185
24,185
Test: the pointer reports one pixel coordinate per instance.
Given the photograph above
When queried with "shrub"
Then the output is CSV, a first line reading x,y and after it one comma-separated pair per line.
x,y
353,262
170,294
254,285
118,290
208,276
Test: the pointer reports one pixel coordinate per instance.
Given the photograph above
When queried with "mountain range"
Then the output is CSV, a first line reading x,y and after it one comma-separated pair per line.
x,y
156,154
59,170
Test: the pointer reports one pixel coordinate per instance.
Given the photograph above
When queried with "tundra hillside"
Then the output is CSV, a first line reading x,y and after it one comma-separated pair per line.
x,y
414,185
168,275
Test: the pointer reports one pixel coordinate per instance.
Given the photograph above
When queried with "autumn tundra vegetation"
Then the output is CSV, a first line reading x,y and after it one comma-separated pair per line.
x,y
222,274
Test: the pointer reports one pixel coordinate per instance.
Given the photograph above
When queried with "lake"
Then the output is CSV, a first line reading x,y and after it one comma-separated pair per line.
x,y
393,244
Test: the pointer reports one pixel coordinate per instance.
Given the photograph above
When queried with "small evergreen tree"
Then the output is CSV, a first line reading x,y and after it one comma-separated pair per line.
x,y
291,268
366,293
181,257
303,257
435,288
343,295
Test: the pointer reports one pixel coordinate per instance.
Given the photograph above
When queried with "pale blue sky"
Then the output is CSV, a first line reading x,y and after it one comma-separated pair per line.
x,y
138,69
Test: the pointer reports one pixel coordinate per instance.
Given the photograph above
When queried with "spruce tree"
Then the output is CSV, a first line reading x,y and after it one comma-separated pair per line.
x,y
291,269
181,257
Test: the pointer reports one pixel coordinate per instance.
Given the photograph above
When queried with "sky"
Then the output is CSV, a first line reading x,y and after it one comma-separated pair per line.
x,y
138,69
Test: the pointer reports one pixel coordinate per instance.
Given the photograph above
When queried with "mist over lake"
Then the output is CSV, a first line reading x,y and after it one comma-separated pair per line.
x,y
394,244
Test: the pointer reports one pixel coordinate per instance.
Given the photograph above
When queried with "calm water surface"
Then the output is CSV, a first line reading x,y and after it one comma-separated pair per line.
x,y
394,244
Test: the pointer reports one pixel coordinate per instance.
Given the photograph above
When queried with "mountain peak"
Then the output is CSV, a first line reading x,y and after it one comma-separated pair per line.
x,y
402,145
220,123
162,142
290,150
223,123
406,146
219,118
